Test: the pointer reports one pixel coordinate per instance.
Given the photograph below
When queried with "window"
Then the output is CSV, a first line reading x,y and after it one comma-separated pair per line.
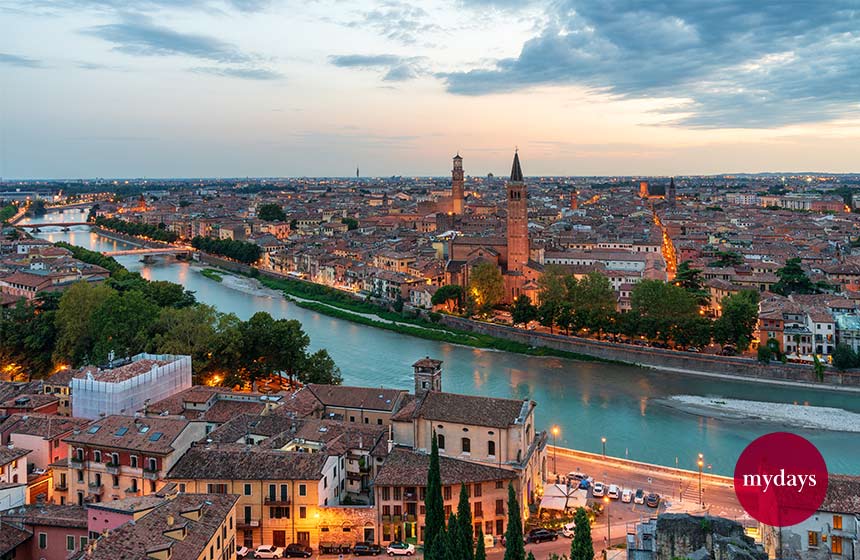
x,y
478,490
386,510
43,540
114,458
837,522
491,448
396,492
247,489
70,542
279,512
398,510
440,441
500,507
213,488
134,461
479,509
447,492
812,538
447,512
182,487
367,420
500,527
488,528
303,490
836,544
97,456
352,418
500,484
153,464
303,512
84,542
379,421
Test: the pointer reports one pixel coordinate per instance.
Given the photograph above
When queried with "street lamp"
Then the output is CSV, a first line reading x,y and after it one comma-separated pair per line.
x,y
603,441
607,501
554,449
701,464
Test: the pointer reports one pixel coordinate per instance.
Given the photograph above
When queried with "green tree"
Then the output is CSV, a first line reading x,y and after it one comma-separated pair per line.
x,y
187,331
552,287
691,280
486,286
818,367
271,345
844,357
530,556
764,354
739,319
75,333
464,518
271,213
122,325
168,294
593,301
514,544
793,280
449,295
319,367
351,223
523,311
480,549
27,339
434,520
727,259
581,546
456,544
662,308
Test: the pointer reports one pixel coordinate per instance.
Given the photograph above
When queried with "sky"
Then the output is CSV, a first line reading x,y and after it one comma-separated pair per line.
x,y
263,88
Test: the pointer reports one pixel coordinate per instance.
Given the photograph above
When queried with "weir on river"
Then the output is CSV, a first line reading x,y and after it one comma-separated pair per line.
x,y
586,400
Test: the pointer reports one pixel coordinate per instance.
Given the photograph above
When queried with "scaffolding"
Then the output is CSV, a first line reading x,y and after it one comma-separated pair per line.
x,y
93,399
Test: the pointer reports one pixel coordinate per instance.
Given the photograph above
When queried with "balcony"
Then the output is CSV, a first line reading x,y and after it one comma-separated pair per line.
x,y
112,468
247,523
150,475
132,491
61,486
275,501
76,464
95,489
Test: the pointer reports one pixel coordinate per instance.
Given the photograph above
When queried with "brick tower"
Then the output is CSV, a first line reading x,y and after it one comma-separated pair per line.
x,y
457,186
518,219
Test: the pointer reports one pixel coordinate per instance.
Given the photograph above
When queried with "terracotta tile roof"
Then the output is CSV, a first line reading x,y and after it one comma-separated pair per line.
x,y
469,409
404,467
120,373
11,537
48,515
368,398
843,495
224,410
147,534
7,454
47,426
301,403
129,505
244,462
139,434
9,390
29,402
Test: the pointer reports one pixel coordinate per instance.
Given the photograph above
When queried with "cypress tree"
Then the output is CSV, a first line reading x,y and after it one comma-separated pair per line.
x,y
514,546
455,542
464,518
480,551
581,547
434,519
531,556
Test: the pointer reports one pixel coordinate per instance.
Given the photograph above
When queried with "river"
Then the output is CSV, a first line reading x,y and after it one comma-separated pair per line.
x,y
586,400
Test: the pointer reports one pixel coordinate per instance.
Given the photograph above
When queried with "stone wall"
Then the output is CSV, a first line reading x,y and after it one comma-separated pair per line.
x,y
657,357
344,525
680,535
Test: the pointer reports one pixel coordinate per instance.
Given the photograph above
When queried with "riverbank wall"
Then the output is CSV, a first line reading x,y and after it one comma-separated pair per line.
x,y
130,239
638,466
656,358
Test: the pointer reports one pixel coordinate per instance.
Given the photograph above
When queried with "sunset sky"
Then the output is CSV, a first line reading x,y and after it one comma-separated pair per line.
x,y
95,88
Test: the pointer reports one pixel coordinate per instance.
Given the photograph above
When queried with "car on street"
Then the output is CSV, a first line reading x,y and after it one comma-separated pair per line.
x,y
653,500
614,491
243,552
298,550
598,490
573,475
366,549
627,496
584,484
268,551
398,548
639,497
541,535
568,529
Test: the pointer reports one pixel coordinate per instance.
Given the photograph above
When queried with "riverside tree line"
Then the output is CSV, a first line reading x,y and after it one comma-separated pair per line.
x,y
127,315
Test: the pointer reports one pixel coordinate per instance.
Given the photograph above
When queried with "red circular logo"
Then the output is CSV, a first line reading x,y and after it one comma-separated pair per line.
x,y
781,479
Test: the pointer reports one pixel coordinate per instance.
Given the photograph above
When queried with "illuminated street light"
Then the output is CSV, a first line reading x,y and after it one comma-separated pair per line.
x,y
603,441
701,464
554,449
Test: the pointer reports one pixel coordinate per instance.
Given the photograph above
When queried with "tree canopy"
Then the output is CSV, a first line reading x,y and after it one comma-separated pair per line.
x,y
486,286
271,213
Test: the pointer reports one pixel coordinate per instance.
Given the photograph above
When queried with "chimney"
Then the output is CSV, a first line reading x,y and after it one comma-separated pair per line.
x,y
390,438
170,520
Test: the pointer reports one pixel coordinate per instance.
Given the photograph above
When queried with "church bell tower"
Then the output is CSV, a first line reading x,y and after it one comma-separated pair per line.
x,y
457,186
518,219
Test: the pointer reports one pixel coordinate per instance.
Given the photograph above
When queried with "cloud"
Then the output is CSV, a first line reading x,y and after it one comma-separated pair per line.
x,y
240,72
20,61
140,6
396,68
398,21
726,64
139,36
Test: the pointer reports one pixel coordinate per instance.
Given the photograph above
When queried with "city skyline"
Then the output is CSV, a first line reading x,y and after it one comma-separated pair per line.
x,y
268,89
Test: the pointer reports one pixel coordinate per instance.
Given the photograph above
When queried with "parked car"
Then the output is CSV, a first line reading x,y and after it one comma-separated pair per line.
x,y
572,475
693,349
297,550
627,496
243,552
729,350
269,551
598,490
639,497
568,530
366,549
584,484
614,491
541,535
653,500
398,548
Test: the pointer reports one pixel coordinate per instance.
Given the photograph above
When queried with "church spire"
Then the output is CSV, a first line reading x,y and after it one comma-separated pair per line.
x,y
516,170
